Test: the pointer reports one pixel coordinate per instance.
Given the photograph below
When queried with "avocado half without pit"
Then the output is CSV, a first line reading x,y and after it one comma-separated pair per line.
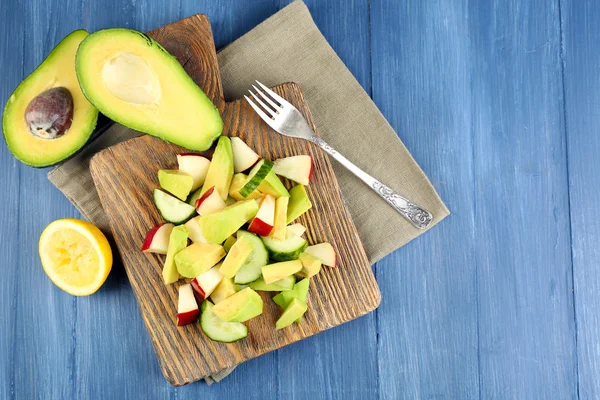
x,y
134,81
47,118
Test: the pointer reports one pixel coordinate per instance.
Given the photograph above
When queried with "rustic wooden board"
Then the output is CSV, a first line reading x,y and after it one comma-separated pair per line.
x,y
125,176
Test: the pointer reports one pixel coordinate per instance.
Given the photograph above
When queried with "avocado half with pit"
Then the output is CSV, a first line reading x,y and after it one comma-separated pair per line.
x,y
134,81
47,118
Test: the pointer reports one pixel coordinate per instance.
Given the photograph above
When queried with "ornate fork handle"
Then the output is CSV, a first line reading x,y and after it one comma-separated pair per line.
x,y
418,216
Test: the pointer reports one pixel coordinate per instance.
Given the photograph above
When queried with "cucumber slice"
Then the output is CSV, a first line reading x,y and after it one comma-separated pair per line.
x,y
284,250
256,176
171,208
251,270
220,331
286,283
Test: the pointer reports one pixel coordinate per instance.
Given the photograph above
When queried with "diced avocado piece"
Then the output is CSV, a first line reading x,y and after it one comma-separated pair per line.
x,y
198,258
178,183
273,186
274,272
284,250
177,242
236,257
219,226
220,331
280,222
299,203
134,81
224,289
229,243
311,265
238,182
229,201
47,118
220,171
299,292
240,307
286,283
293,312
251,269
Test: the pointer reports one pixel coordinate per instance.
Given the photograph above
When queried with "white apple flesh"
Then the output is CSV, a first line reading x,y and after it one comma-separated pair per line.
x,y
195,165
187,307
157,239
205,283
324,252
194,231
210,202
243,156
295,168
296,229
263,222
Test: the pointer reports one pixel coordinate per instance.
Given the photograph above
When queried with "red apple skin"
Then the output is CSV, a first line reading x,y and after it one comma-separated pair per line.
x,y
260,227
204,197
187,317
311,168
198,290
149,237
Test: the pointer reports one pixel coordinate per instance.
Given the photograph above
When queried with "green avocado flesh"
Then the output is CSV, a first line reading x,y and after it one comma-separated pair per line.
x,y
293,312
57,70
134,81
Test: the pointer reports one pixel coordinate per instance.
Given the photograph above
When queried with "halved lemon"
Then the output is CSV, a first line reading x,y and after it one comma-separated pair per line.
x,y
75,255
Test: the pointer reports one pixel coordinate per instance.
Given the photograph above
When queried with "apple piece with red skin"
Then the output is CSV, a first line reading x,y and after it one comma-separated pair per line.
x,y
262,223
187,307
324,252
296,168
205,283
195,165
243,156
210,202
157,239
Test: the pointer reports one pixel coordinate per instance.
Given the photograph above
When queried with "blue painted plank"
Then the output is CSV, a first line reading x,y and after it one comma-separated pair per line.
x,y
582,109
522,242
427,321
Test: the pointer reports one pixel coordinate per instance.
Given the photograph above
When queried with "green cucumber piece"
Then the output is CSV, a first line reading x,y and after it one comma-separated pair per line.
x,y
251,270
171,208
256,176
286,283
284,250
218,330
194,196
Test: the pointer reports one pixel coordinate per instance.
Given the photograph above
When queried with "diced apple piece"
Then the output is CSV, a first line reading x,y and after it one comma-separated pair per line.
x,y
324,252
299,203
296,229
229,243
210,202
223,290
293,312
195,165
157,239
194,230
243,156
263,223
187,307
295,168
177,242
178,183
274,272
311,265
219,226
238,182
240,307
198,258
281,205
237,256
205,283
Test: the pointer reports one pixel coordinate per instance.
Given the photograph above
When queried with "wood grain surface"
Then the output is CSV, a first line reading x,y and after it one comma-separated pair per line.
x,y
125,176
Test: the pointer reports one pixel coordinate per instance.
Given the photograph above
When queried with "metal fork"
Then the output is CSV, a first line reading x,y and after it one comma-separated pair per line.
x,y
288,121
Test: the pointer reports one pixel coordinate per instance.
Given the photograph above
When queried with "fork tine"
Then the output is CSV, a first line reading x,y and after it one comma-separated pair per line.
x,y
260,112
266,108
277,97
267,98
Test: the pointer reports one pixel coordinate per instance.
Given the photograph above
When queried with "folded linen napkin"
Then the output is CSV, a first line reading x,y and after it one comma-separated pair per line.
x,y
288,47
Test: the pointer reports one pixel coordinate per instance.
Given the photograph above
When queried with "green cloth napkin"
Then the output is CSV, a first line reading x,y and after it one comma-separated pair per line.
x,y
288,47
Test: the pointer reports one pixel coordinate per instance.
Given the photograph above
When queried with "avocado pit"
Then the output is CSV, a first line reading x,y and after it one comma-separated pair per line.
x,y
128,77
50,114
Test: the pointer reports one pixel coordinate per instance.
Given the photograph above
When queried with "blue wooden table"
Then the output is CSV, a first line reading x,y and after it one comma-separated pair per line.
x,y
498,101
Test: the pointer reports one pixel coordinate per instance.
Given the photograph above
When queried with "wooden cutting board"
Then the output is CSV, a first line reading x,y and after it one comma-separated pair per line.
x,y
126,174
